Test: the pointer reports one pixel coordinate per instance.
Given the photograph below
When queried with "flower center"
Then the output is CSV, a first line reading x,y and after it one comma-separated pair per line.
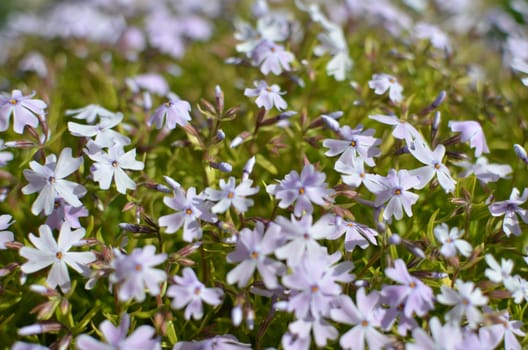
x,y
465,301
230,195
268,89
114,163
364,323
392,80
437,166
197,290
397,192
58,255
412,284
138,267
51,180
449,240
13,101
350,224
314,289
168,104
302,190
362,175
254,255
306,236
188,211
272,49
353,143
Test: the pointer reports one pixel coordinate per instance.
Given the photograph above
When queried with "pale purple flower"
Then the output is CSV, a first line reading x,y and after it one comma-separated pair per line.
x,y
104,135
219,342
356,234
498,273
315,280
465,301
5,236
28,346
90,113
267,96
302,235
173,112
272,57
402,129
56,253
298,335
451,242
231,195
439,40
484,171
63,212
433,165
252,250
112,165
363,317
23,109
518,287
412,292
506,329
135,273
303,189
396,312
356,141
142,338
151,82
34,62
471,131
383,82
446,337
352,169
189,291
48,180
511,210
190,209
394,189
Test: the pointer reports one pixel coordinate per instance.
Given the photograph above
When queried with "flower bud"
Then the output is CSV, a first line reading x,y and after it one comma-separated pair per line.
x,y
222,166
521,152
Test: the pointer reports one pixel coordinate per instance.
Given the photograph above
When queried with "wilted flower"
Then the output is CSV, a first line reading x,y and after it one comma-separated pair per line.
x,y
116,337
63,212
56,253
48,180
471,131
450,241
112,165
506,329
518,287
151,82
383,82
23,109
510,209
230,194
267,96
135,271
189,291
173,112
306,188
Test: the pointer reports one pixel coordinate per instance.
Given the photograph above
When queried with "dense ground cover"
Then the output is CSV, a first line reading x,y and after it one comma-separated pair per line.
x,y
282,174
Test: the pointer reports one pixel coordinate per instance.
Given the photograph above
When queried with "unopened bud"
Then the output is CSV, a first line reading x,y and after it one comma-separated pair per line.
x,y
331,123
436,121
44,291
250,318
248,168
219,97
220,136
361,283
521,152
20,144
237,141
236,315
147,101
39,328
439,99
222,166
395,239
135,228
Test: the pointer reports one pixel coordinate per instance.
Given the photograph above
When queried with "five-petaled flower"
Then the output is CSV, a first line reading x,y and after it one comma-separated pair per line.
x,y
23,109
510,209
267,96
173,112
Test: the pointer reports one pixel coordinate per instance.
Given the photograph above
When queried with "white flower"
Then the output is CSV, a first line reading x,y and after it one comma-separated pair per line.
x,y
90,113
402,129
383,82
267,96
518,286
111,165
465,301
450,242
229,194
484,171
104,135
497,273
48,180
49,252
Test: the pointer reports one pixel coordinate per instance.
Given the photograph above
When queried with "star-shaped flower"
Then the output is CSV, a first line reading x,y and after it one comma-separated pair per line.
x,y
23,109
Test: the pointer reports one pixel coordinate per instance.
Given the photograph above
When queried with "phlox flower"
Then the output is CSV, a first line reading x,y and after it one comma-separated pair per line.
x,y
356,141
498,273
173,112
465,300
446,337
484,171
518,287
412,292
403,130
104,135
272,58
252,250
190,209
315,282
267,96
301,237
189,291
356,234
27,346
23,109
48,180
231,195
450,241
433,165
219,342
63,212
48,252
136,271
5,157
511,210
363,317
308,187
151,82
333,42
352,169
506,329
394,189
116,337
298,335
90,113
5,236
383,82
112,165
272,28
439,40
471,131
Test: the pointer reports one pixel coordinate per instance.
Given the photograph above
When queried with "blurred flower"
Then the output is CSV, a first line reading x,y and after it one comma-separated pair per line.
x,y
450,242
510,209
48,180
5,236
104,135
90,113
49,252
267,96
439,40
151,82
116,337
471,131
34,62
23,109
356,234
174,112
518,287
447,337
272,58
134,272
383,82
497,273
402,129
189,291
484,171
27,346
219,342
506,329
